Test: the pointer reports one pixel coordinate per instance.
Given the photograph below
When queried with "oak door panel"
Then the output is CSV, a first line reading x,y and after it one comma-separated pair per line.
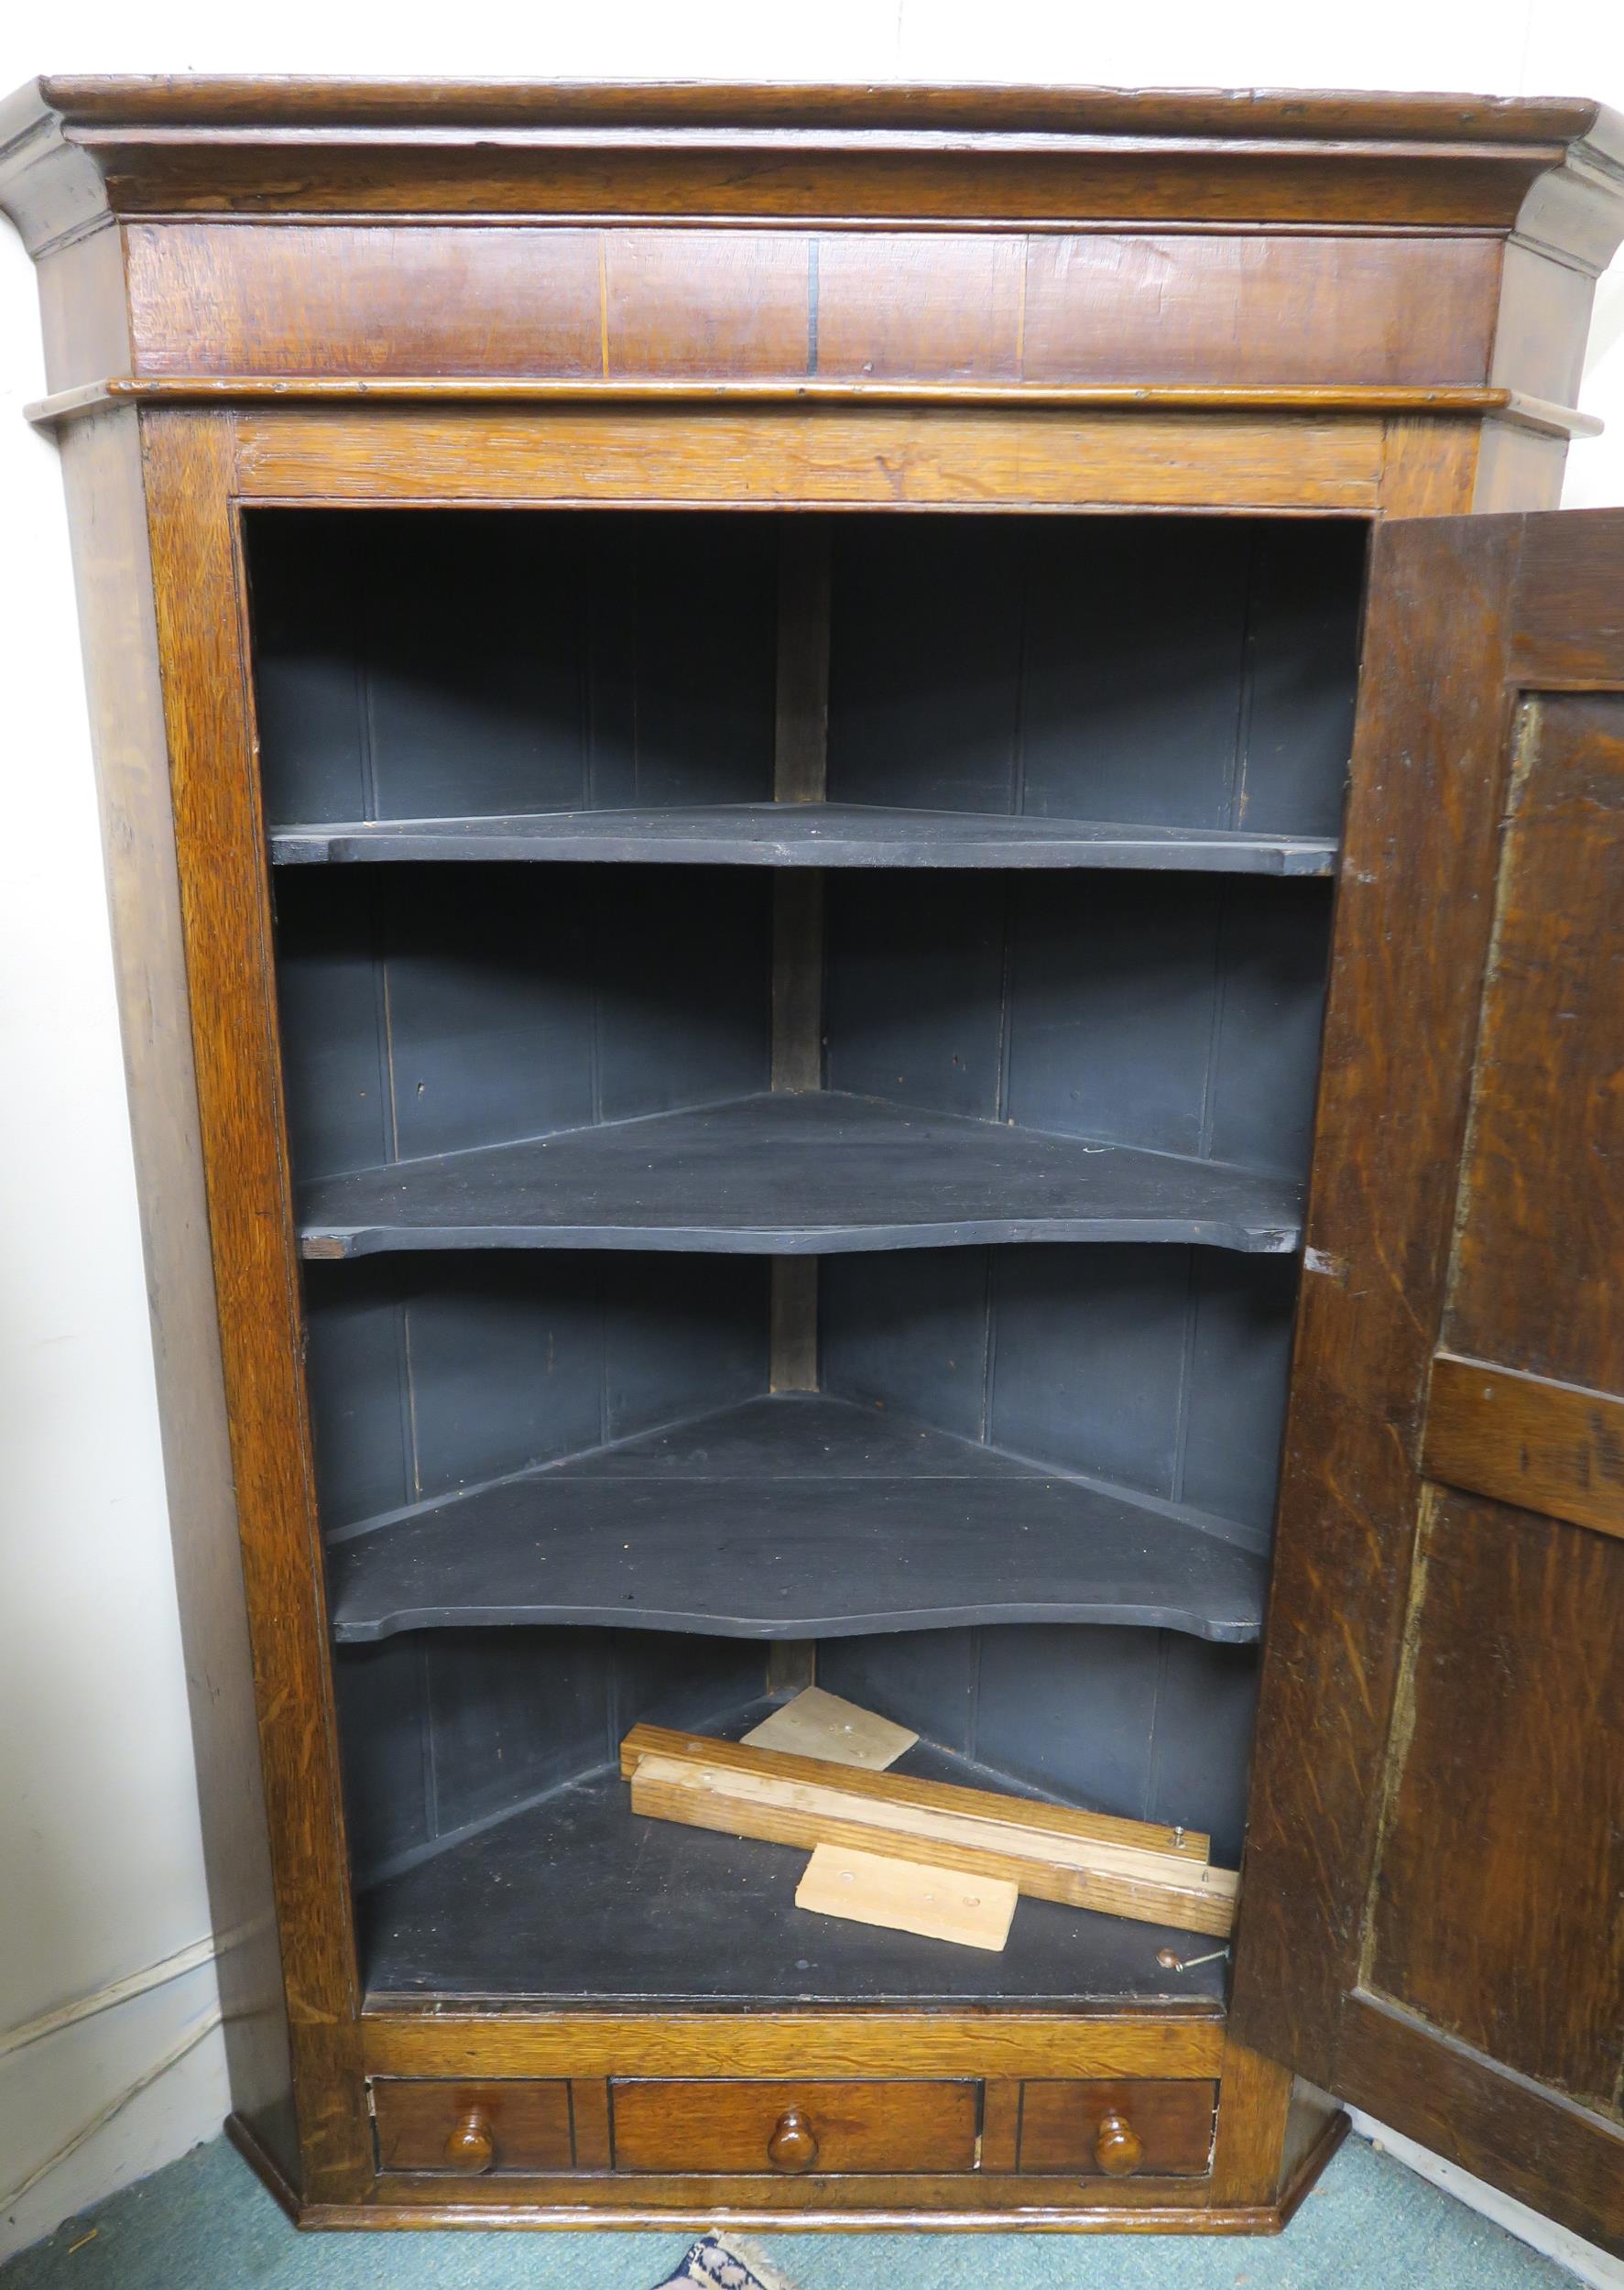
x,y
1438,1828
1501,1871
1538,1279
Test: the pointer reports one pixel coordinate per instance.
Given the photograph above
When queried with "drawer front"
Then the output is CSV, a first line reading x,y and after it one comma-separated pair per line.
x,y
473,2129
1117,2129
788,2128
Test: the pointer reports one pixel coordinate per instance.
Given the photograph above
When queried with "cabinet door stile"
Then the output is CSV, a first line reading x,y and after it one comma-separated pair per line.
x,y
220,848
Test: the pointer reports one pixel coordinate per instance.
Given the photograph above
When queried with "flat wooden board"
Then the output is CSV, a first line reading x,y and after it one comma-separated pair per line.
x,y
1011,1806
816,1724
787,1800
907,1896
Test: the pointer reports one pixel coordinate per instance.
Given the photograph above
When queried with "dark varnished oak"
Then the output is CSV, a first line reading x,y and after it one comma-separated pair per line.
x,y
115,568
1119,2129
704,235
197,600
792,2127
1527,1440
472,2127
1440,1763
678,151
1045,300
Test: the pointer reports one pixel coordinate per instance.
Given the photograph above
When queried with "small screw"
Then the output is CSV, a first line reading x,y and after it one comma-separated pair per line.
x,y
1179,1838
1172,1962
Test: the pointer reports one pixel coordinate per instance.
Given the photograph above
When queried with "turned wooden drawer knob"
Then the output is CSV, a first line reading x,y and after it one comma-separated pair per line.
x,y
1116,2147
794,2144
471,2146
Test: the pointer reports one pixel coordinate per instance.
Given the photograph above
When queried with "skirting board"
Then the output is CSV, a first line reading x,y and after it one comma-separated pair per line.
x,y
1543,2235
106,2100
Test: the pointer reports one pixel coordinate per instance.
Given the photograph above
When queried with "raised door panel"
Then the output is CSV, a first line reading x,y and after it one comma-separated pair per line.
x,y
1438,1836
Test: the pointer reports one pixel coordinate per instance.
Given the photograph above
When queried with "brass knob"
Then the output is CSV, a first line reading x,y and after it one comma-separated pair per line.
x,y
794,2144
471,2146
1116,2147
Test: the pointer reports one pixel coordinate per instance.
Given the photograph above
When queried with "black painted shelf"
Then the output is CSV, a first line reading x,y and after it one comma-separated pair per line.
x,y
805,835
797,1515
797,1174
575,1898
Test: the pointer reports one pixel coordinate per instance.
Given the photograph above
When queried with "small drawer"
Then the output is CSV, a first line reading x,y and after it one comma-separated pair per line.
x,y
787,2128
473,2129
1118,2129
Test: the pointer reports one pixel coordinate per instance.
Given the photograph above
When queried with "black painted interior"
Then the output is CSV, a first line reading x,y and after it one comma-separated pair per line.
x,y
559,1490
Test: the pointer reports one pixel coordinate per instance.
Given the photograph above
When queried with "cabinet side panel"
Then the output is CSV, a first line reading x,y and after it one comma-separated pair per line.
x,y
103,471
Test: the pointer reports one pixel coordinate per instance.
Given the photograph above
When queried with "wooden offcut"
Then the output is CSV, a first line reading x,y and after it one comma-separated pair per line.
x,y
938,1904
1191,1846
806,1801
822,1725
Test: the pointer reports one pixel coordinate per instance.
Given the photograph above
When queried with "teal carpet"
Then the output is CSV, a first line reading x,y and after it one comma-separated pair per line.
x,y
207,2224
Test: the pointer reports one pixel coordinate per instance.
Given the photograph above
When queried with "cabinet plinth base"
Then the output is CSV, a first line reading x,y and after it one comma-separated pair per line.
x,y
1004,2203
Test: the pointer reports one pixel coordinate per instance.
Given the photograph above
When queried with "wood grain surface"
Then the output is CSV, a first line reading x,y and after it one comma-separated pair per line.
x,y
1060,2123
1229,307
1151,1887
834,2044
1548,1446
815,455
1457,1814
1066,1824
1388,1137
725,2126
102,463
225,908
1536,1282
528,2124
1057,300
1502,1858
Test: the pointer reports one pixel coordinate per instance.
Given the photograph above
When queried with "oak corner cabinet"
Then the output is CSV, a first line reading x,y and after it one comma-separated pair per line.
x,y
769,1038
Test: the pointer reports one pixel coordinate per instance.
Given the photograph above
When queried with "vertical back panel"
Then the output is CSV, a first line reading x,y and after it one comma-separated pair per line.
x,y
1177,1012
444,662
435,1010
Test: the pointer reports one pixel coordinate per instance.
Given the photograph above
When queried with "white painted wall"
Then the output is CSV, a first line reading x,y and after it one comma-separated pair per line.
x,y
100,1868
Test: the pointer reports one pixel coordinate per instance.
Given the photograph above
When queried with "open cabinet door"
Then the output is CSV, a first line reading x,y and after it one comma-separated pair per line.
x,y
1433,1912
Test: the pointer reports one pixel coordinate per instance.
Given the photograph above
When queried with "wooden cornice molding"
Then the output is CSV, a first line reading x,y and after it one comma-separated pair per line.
x,y
75,151
181,100
204,390
1096,248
